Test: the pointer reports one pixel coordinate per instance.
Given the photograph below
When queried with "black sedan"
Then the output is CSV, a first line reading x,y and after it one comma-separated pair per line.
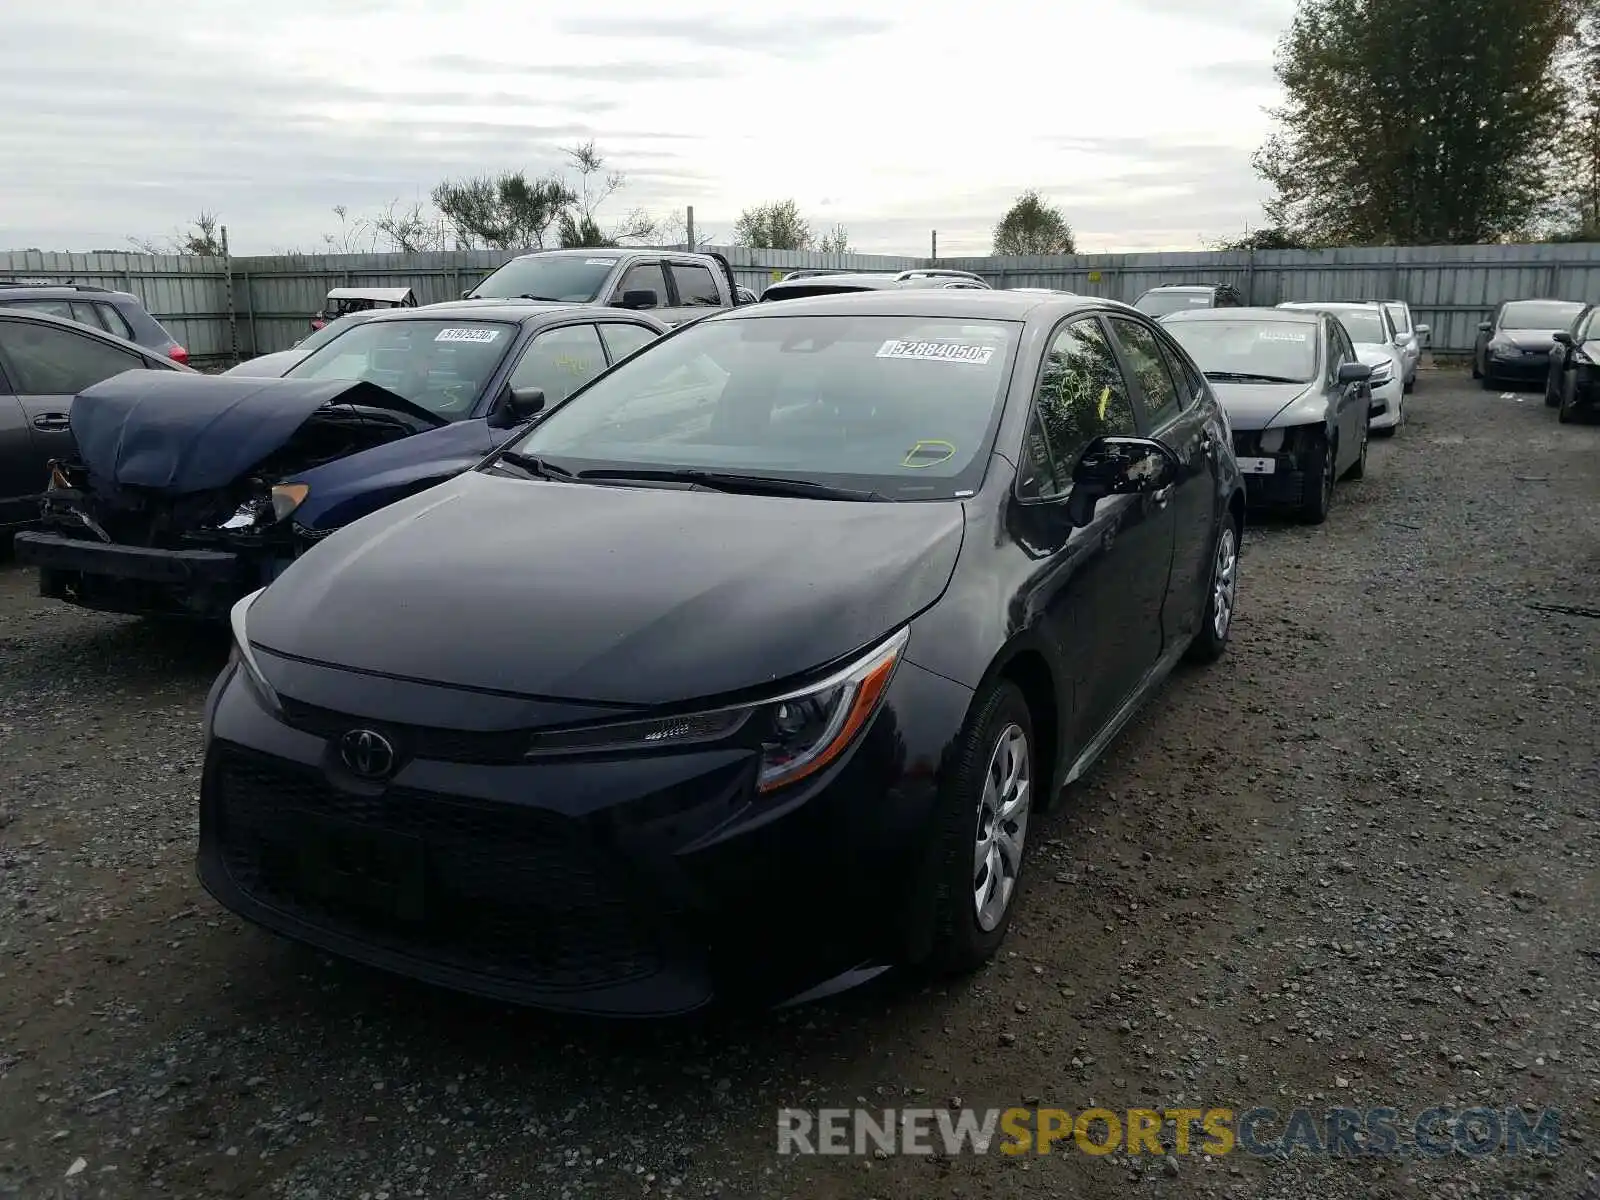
x,y
1514,346
1296,395
1574,382
44,362
742,674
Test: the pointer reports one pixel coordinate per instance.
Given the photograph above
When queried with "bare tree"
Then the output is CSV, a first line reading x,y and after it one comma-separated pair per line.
x,y
352,236
579,225
836,241
202,238
673,230
413,230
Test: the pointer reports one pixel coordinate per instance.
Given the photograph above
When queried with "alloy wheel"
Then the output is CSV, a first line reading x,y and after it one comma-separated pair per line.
x,y
1002,827
1224,582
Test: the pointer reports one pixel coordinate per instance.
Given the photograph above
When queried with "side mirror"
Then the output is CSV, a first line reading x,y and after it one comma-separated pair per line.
x,y
518,406
1118,466
1354,372
637,298
1485,326
1377,408
1562,336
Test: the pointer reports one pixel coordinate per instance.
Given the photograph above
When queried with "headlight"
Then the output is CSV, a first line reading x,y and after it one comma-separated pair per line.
x,y
1382,373
799,732
286,497
1271,441
242,656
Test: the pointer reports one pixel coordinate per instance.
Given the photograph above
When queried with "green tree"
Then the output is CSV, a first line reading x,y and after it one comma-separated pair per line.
x,y
1423,126
202,238
774,226
837,241
502,212
1033,226
1268,237
1577,215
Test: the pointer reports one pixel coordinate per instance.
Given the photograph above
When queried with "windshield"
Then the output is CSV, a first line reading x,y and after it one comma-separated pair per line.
x,y
1281,350
902,406
569,278
1539,314
440,365
321,337
1364,325
1159,304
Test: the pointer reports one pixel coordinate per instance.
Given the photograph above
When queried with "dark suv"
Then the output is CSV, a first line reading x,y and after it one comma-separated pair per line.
x,y
120,313
1159,301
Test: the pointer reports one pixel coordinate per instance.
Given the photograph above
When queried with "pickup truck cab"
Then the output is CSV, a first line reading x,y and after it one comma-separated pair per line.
x,y
673,286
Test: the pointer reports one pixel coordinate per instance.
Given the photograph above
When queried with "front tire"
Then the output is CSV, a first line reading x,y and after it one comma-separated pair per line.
x,y
1221,597
1317,490
1567,414
983,837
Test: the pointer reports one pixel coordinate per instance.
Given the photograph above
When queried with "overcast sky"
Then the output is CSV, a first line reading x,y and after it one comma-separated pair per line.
x,y
1136,117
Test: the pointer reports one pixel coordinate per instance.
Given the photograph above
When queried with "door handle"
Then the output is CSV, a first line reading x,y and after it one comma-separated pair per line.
x,y
53,421
1162,495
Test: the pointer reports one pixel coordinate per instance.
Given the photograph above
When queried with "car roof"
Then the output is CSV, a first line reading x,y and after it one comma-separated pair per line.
x,y
491,309
11,288
39,318
369,293
971,303
1330,305
1290,316
1184,287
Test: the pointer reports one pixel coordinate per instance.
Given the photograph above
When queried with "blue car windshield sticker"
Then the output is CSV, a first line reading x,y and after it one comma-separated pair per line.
x,y
467,335
937,351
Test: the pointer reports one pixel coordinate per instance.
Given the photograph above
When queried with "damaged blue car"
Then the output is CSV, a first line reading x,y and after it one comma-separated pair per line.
x,y
188,492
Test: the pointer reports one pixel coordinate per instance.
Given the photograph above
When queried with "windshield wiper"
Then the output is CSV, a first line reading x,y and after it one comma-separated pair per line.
x,y
531,296
532,464
1248,377
729,481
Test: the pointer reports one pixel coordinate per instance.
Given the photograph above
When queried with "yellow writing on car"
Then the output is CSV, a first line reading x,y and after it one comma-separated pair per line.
x,y
572,366
1105,399
929,452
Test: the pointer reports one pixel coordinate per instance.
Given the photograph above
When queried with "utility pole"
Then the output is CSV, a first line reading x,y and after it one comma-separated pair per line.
x,y
233,316
690,224
935,245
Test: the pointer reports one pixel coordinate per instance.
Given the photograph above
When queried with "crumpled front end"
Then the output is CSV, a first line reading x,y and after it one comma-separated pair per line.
x,y
150,551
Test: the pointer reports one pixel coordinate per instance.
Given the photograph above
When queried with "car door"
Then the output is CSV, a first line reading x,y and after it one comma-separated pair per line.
x,y
17,464
1166,405
694,292
1353,400
1101,586
558,360
47,366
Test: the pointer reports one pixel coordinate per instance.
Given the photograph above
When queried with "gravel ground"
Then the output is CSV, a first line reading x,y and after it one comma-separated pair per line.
x,y
1354,863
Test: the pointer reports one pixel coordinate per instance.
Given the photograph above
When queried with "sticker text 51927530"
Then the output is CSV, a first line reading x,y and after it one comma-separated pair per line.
x,y
936,351
467,335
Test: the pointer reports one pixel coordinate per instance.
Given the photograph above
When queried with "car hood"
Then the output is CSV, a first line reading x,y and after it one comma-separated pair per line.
x,y
1253,405
614,595
177,434
1526,339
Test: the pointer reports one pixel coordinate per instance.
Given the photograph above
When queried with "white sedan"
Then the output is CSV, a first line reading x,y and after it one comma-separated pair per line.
x,y
1380,347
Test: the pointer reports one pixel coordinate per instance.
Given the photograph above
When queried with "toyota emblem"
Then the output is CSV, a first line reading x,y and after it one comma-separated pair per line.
x,y
367,753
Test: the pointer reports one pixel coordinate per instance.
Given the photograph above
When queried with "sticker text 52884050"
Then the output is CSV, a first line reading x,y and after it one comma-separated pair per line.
x,y
467,335
936,351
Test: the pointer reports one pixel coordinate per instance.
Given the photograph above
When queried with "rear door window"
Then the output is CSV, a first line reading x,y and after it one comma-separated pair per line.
x,y
114,321
51,308
1158,392
696,287
623,339
46,360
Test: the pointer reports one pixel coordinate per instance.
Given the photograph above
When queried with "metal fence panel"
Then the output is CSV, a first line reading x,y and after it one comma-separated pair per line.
x,y
1450,288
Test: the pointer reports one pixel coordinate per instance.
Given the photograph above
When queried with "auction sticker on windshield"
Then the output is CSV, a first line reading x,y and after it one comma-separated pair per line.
x,y
598,262
940,351
1273,335
466,335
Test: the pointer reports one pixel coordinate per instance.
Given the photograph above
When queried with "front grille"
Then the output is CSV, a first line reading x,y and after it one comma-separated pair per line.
x,y
442,745
516,894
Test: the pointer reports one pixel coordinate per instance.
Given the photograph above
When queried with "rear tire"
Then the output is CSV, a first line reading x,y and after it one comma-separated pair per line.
x,y
1317,490
1552,390
974,807
1488,382
1358,469
1222,597
1567,414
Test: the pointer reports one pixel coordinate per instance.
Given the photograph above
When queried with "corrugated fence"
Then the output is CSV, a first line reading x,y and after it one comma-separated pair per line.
x,y
243,306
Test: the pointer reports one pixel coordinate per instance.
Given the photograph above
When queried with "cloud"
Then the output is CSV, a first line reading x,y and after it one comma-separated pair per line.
x,y
1245,73
638,71
795,37
1264,17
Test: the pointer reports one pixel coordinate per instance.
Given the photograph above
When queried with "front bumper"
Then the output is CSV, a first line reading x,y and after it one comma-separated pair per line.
x,y
1520,368
137,580
627,886
1276,479
1392,394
